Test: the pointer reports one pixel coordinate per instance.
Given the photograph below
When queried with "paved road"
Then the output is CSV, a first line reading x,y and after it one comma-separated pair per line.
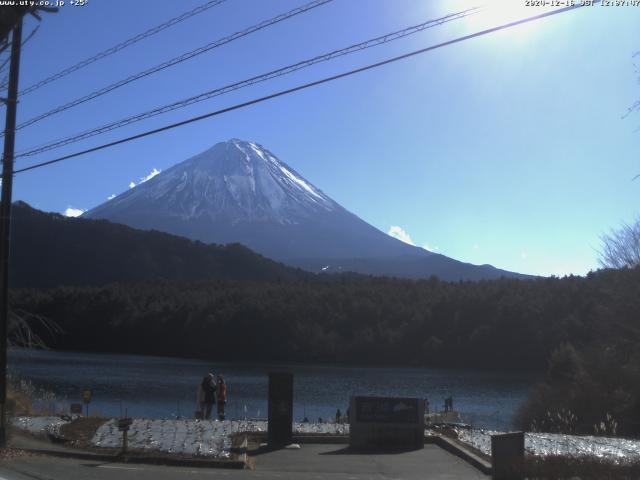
x,y
311,462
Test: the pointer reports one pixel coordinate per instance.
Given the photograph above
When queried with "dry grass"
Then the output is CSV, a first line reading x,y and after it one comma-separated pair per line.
x,y
18,403
81,431
27,399
12,453
23,399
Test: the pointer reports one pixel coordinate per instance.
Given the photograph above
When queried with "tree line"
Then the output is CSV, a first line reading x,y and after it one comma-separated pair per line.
x,y
583,330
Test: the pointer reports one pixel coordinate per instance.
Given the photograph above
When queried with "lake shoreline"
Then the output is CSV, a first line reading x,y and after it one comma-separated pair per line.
x,y
165,387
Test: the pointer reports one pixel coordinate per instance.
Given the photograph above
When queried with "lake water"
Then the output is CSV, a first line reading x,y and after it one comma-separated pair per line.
x,y
160,387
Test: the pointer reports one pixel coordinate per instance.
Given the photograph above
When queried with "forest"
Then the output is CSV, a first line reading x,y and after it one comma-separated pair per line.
x,y
584,331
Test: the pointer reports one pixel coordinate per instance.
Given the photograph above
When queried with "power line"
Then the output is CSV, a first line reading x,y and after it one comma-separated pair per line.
x,y
122,45
4,46
6,61
304,86
175,61
247,82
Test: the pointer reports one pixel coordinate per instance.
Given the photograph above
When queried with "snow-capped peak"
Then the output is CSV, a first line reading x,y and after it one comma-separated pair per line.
x,y
233,178
269,174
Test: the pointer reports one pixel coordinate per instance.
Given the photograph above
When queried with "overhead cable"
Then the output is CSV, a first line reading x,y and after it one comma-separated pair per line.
x,y
5,63
174,61
304,86
389,37
122,45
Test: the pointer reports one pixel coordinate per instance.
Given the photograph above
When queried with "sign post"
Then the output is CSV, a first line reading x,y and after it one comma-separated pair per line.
x,y
280,409
86,398
123,426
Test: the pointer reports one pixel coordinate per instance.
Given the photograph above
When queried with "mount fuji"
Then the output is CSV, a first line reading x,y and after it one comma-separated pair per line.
x,y
239,192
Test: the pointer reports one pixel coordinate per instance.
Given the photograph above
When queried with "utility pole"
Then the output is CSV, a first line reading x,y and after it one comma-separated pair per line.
x,y
5,219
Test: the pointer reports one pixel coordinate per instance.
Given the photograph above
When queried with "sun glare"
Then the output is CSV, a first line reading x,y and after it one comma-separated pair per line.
x,y
497,12
504,11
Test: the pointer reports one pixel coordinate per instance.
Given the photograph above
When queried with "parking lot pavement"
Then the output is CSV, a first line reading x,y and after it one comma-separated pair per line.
x,y
317,462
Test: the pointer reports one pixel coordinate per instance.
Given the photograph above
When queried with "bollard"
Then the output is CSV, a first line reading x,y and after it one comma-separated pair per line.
x,y
86,398
280,421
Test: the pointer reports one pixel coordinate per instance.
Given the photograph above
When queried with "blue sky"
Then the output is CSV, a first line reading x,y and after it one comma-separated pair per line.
x,y
509,149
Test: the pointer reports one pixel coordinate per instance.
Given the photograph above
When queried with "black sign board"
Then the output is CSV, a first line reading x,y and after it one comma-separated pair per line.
x,y
76,408
386,423
124,424
387,410
280,408
507,456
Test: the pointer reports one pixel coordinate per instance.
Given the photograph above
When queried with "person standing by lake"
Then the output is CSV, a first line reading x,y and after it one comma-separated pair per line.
x,y
221,392
209,389
200,399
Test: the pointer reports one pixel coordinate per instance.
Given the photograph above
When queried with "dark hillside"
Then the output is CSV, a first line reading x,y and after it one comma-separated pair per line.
x,y
50,250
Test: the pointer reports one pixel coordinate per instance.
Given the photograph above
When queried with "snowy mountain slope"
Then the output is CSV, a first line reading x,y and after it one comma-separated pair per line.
x,y
238,191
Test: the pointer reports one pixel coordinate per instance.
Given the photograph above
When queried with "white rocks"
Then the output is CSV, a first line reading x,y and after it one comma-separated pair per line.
x,y
212,438
40,425
322,428
187,437
543,444
206,438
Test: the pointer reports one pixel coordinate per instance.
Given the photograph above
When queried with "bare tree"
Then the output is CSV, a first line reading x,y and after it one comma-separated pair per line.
x,y
621,247
21,329
635,107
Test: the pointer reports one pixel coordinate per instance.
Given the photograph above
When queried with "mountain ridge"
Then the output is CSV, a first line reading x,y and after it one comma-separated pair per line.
x,y
240,192
49,250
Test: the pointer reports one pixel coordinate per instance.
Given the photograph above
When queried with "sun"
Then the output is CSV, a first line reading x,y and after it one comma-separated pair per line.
x,y
492,13
505,11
